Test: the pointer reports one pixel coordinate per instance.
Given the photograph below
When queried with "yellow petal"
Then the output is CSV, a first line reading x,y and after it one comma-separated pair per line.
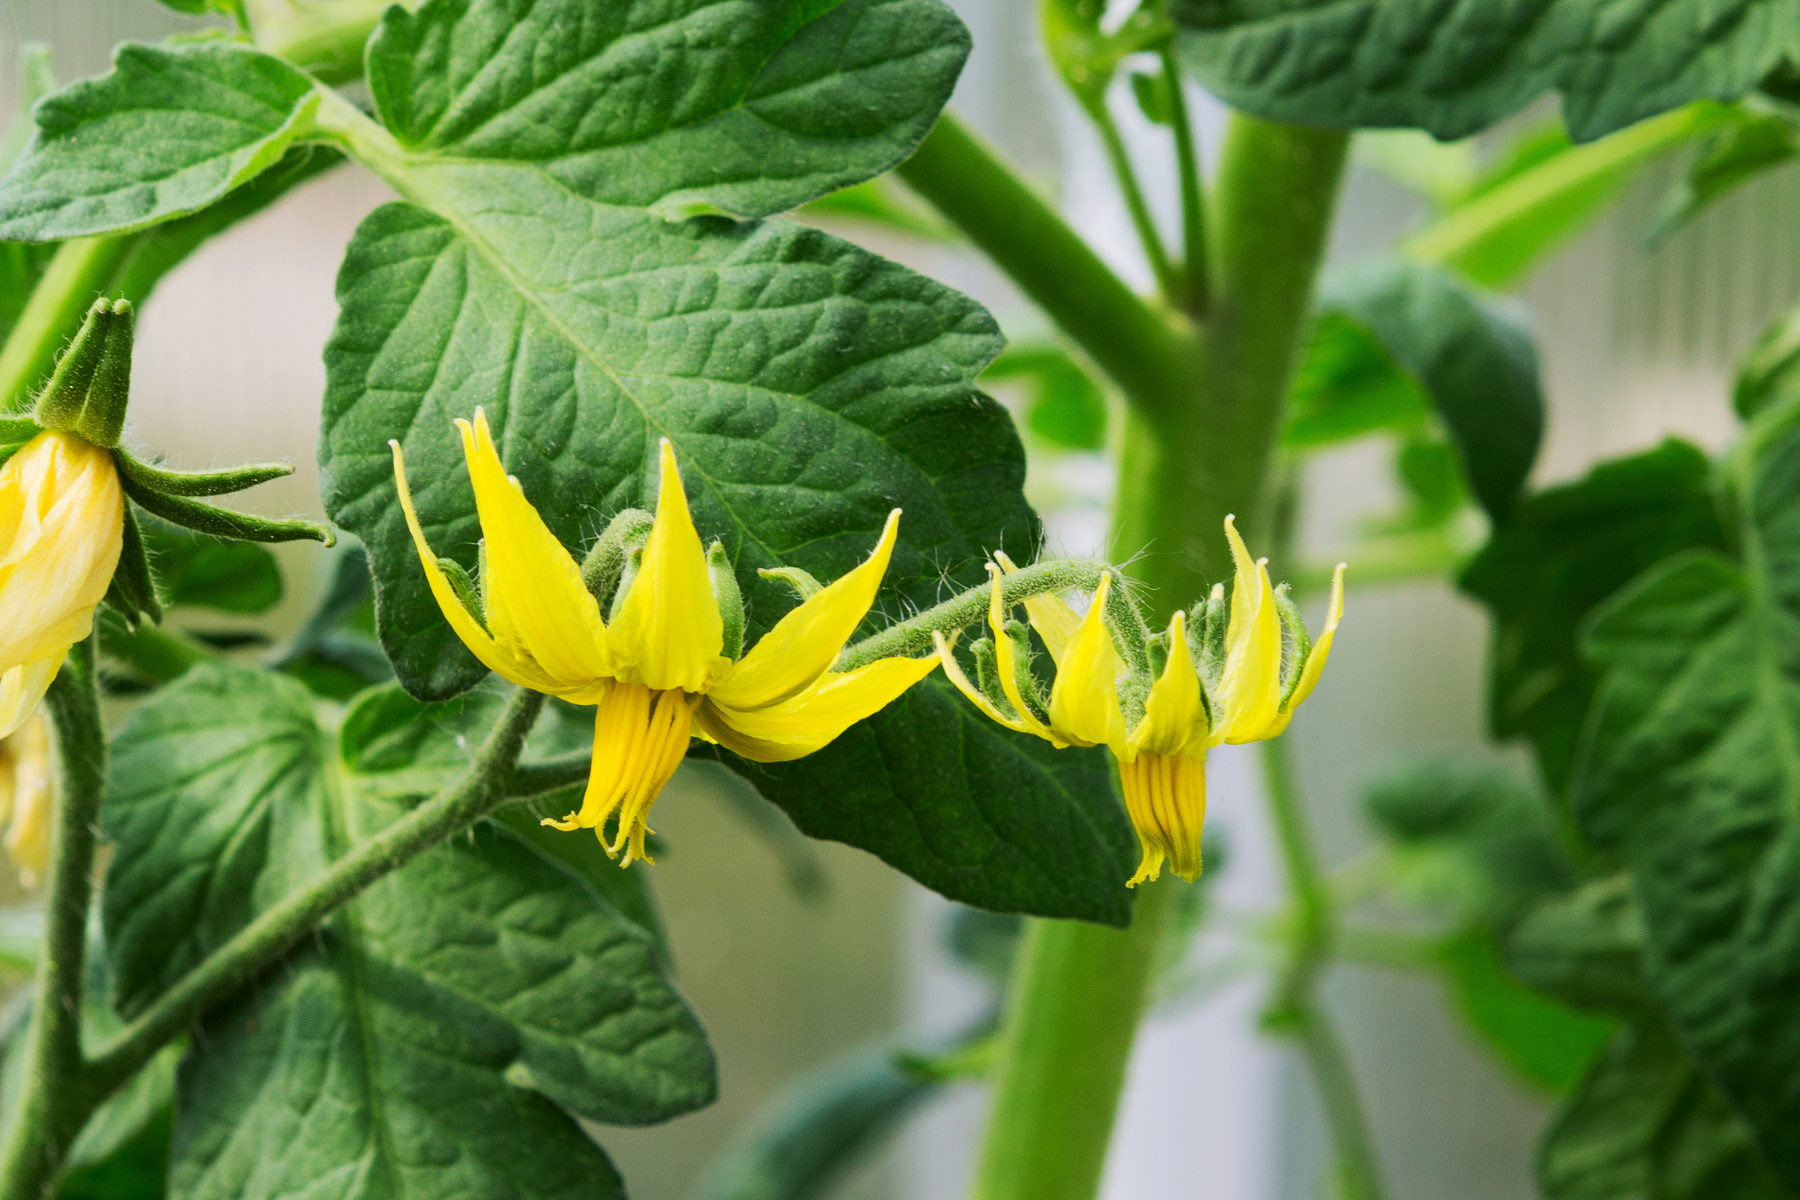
x,y
537,605
20,690
669,633
62,520
1250,687
28,830
508,664
954,670
1321,650
804,643
1050,615
1084,702
1174,714
1006,663
1165,796
811,720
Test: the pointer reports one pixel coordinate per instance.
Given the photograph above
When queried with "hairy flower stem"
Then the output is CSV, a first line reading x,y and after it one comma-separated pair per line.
x,y
56,1095
1296,1009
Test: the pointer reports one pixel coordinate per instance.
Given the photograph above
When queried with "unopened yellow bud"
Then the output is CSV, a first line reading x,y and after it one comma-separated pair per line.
x,y
62,518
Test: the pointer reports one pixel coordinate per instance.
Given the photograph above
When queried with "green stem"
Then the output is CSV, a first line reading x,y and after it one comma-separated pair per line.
x,y
323,37
1150,355
258,945
1196,271
1296,1008
1078,991
79,271
1142,221
54,1100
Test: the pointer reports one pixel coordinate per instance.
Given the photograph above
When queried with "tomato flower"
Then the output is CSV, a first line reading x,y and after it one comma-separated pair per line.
x,y
659,672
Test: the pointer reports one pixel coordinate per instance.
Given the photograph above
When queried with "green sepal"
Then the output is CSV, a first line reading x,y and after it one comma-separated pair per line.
x,y
465,589
727,596
132,593
222,522
1126,623
604,569
16,431
987,675
1209,620
102,419
199,483
60,404
1296,643
804,585
1019,634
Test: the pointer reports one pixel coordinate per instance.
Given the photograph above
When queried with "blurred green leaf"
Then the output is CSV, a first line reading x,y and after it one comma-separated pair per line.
x,y
801,1144
1066,407
1645,1125
1566,550
1471,359
881,201
1431,472
1153,92
1770,370
1546,1042
1690,766
1442,172
207,572
1584,947
1750,146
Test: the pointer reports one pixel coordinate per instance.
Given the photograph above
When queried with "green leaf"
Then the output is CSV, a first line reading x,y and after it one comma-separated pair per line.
x,y
1770,371
1740,152
433,1033
1565,551
1456,69
1545,1041
199,120
1645,1124
808,386
193,569
804,1141
1690,766
973,811
1347,386
1067,408
881,201
1584,947
743,111
1473,360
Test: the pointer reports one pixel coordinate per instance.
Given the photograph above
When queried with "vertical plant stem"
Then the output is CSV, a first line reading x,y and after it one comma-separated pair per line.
x,y
79,272
1196,272
53,1102
1167,280
1077,993
1296,1008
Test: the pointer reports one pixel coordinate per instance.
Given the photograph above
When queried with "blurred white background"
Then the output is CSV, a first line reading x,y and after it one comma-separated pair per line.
x,y
1635,345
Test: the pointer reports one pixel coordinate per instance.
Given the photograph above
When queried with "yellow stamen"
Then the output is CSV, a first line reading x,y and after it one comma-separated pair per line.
x,y
1165,796
640,736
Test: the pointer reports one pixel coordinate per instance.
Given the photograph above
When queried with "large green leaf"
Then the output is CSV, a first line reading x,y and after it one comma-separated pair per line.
x,y
1585,947
1691,767
807,385
1565,551
991,818
1645,1125
1393,330
167,132
700,106
1456,67
429,1039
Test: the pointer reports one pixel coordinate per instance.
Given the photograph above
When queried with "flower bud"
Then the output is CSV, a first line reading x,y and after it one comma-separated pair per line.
x,y
62,516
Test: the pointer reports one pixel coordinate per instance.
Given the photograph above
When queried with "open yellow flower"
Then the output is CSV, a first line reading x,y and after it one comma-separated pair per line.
x,y
62,521
26,797
1250,673
659,672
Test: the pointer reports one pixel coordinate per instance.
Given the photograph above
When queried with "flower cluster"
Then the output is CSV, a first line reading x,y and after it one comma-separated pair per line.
x,y
1159,702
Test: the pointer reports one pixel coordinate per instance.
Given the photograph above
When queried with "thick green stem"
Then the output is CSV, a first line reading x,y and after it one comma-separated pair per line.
x,y
1148,353
79,271
55,1099
1078,991
258,945
1296,1008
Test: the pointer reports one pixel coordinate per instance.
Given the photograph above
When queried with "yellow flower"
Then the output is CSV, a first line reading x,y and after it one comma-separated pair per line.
x,y
1250,673
658,673
62,519
26,798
